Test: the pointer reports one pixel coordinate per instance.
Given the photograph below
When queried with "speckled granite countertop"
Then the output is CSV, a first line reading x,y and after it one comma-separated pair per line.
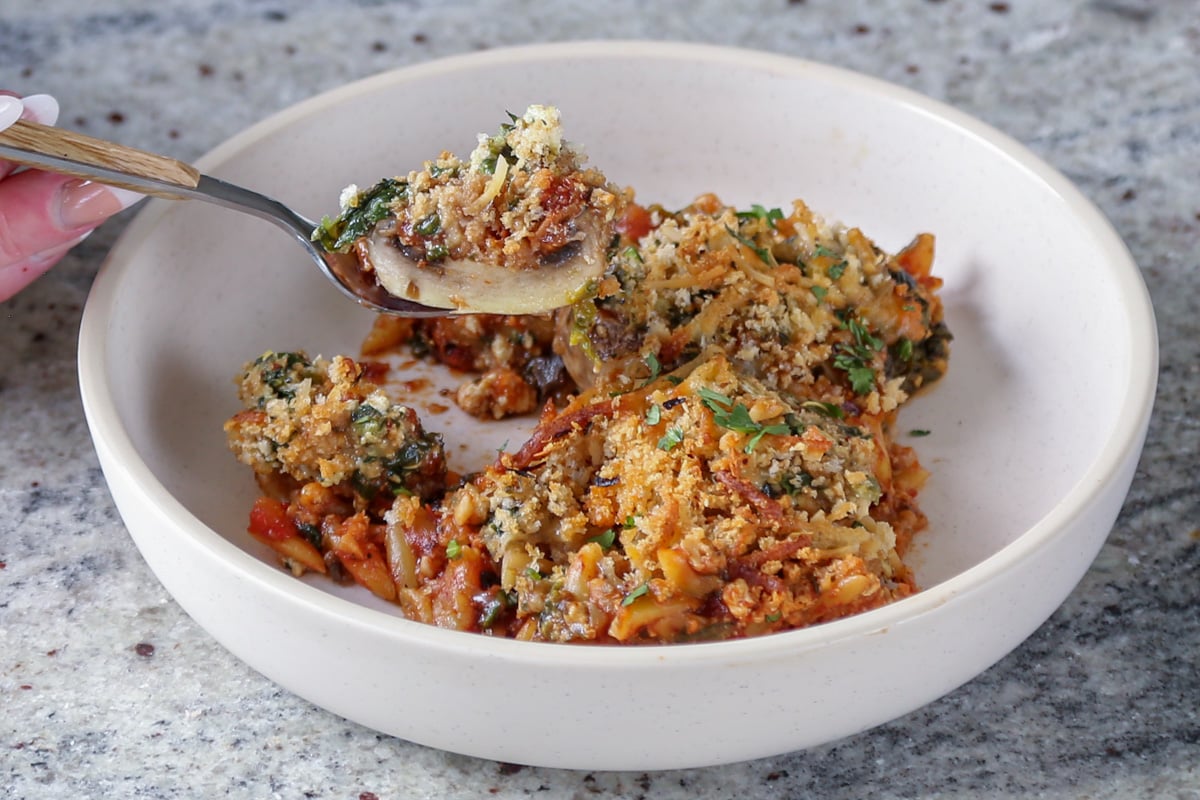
x,y
108,690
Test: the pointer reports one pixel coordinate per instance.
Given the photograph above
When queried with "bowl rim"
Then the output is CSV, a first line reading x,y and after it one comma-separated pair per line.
x,y
1124,439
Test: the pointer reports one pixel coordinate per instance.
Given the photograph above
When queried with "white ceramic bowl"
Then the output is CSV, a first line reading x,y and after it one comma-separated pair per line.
x,y
1035,431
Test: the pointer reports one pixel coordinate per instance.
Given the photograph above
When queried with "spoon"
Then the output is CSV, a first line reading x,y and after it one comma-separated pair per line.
x,y
456,287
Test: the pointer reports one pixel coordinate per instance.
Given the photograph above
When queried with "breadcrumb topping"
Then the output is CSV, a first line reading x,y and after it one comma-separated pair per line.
x,y
714,455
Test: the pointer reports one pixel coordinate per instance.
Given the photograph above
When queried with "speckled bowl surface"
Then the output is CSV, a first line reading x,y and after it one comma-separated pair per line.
x,y
1034,433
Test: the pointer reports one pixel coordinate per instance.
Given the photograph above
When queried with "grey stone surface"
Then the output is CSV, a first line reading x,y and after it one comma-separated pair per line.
x,y
107,689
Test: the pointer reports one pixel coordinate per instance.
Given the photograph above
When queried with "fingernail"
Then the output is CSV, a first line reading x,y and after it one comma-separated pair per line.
x,y
84,204
10,110
41,108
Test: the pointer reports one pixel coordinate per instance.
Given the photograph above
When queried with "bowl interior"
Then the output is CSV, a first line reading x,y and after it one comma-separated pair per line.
x,y
1042,347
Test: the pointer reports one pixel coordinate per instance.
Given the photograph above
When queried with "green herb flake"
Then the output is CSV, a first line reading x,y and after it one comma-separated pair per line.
x,y
862,377
606,539
854,358
819,292
919,432
653,414
714,400
770,216
655,367
635,594
736,417
778,429
832,410
836,270
763,253
671,439
453,549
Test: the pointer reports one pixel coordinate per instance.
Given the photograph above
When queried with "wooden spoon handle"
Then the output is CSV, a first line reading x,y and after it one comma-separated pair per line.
x,y
70,153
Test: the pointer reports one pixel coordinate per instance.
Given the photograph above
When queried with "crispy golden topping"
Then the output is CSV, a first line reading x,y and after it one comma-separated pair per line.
x,y
713,457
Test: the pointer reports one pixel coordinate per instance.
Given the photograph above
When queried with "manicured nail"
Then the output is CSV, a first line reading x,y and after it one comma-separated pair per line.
x,y
11,109
85,204
41,108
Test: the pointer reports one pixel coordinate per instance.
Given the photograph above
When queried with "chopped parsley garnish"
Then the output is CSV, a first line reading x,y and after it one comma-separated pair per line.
x,y
918,432
819,292
862,377
653,414
498,146
756,211
606,539
712,398
655,367
453,549
832,410
635,594
863,337
763,253
836,271
671,438
337,234
736,417
855,358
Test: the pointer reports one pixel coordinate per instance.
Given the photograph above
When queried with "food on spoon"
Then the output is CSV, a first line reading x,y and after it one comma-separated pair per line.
x,y
520,227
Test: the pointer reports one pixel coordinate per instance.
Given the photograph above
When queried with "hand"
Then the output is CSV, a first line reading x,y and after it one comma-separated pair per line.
x,y
43,215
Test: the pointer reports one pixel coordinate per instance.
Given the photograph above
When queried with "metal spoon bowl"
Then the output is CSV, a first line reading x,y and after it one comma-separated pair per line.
x,y
67,152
